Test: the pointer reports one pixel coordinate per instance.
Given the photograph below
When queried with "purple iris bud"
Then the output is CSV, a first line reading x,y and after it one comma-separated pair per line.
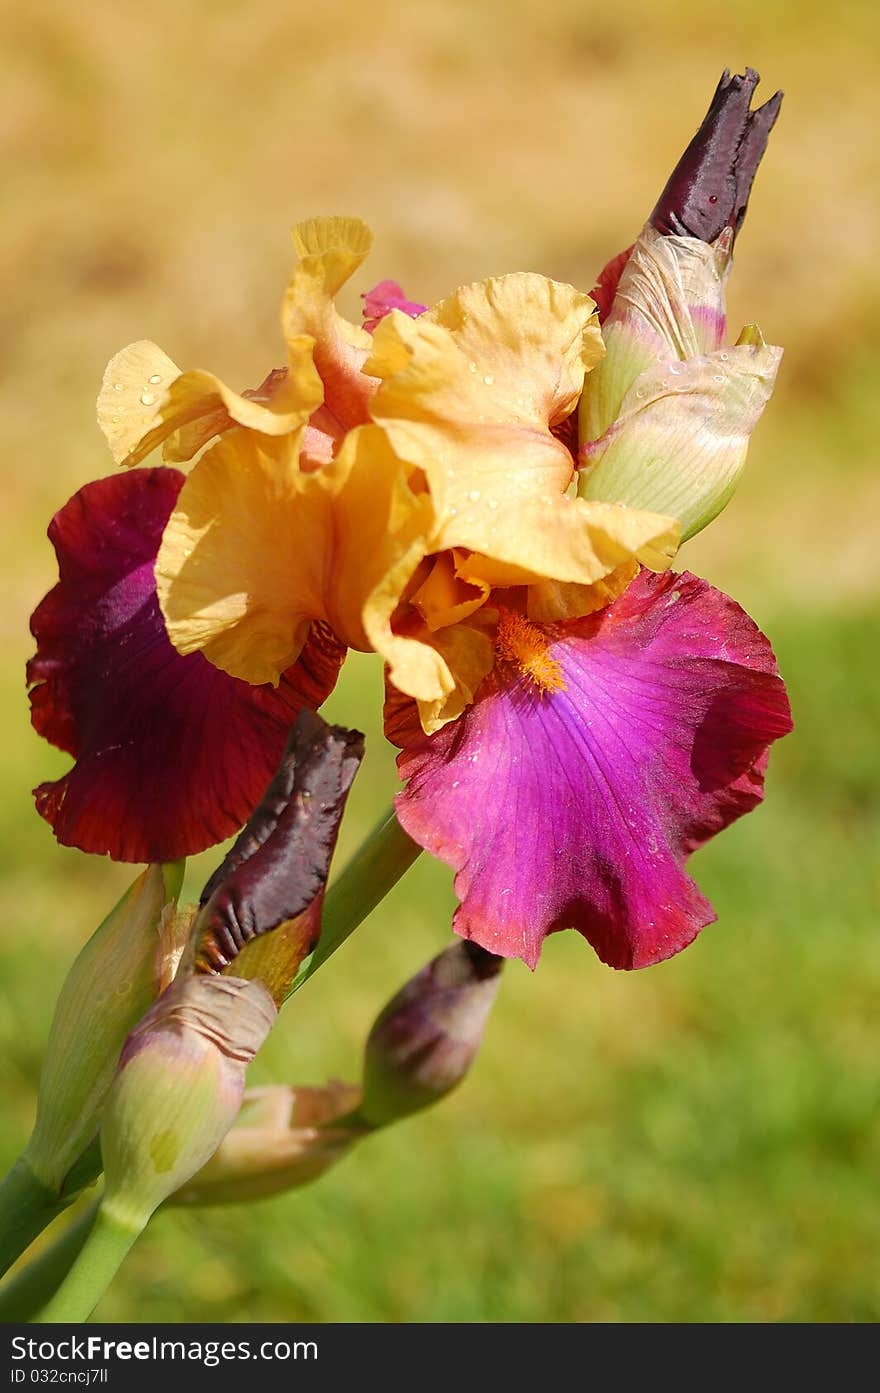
x,y
709,188
278,866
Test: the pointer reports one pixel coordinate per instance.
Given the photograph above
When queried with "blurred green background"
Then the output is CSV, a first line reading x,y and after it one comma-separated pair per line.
x,y
694,1142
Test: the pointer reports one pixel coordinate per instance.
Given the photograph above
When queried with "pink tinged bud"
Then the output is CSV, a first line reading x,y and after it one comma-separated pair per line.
x,y
282,1138
115,979
426,1038
666,417
178,1090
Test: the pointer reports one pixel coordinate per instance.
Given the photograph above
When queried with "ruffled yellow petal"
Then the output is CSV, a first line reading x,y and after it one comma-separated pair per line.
x,y
244,558
445,597
564,539
330,251
144,399
381,532
468,651
471,391
259,547
135,381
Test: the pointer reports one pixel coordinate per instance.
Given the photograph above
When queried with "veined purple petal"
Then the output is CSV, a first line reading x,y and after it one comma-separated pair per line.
x,y
171,754
598,754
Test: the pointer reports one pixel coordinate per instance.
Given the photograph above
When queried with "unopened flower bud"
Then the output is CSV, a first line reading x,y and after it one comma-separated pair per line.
x,y
115,979
178,1090
665,419
282,1138
426,1038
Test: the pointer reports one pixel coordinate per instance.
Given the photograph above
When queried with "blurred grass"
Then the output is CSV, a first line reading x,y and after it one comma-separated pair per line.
x,y
696,1142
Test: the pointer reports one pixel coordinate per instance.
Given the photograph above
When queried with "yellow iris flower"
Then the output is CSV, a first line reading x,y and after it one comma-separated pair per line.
x,y
388,485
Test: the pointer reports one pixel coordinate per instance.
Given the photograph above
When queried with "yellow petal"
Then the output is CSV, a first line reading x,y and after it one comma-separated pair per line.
x,y
551,601
445,597
330,251
469,654
135,381
244,558
471,391
564,539
381,532
156,404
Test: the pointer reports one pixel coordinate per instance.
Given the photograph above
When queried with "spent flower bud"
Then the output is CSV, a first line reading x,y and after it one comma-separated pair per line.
x,y
283,1137
116,977
178,1090
425,1040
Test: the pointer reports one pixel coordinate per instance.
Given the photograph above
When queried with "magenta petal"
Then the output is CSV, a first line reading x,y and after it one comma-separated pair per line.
x,y
579,807
385,297
171,754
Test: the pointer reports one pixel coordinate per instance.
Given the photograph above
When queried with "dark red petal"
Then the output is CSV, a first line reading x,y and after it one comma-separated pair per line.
x,y
171,754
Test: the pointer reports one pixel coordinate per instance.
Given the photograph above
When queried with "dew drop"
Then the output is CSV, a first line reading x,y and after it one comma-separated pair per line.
x,y
474,495
641,392
719,377
472,367
493,503
117,386
147,398
488,379
724,357
157,377
675,369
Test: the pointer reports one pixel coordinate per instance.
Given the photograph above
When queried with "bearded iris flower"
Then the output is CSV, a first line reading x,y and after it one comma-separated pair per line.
x,y
574,719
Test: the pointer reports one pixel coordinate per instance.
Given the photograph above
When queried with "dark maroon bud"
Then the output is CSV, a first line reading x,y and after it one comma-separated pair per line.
x,y
280,862
710,186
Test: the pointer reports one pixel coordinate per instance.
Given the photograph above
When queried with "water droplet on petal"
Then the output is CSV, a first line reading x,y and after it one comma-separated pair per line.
x,y
719,377
488,379
493,503
117,386
157,377
472,367
474,495
147,398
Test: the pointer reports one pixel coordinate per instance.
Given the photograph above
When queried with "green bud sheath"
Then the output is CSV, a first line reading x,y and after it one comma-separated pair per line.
x,y
178,1090
113,982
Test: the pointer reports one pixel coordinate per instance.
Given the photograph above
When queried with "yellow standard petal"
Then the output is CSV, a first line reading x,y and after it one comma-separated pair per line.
x,y
330,251
471,392
145,399
243,562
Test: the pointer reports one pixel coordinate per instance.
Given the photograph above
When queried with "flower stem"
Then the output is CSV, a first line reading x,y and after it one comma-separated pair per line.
x,y
26,1207
96,1265
374,869
25,1293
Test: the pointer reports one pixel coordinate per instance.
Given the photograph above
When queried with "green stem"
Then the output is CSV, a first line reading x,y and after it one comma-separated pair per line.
x,y
374,869
26,1207
23,1295
95,1267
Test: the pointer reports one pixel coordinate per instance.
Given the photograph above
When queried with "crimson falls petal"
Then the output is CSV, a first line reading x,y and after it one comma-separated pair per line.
x,y
171,754
598,754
